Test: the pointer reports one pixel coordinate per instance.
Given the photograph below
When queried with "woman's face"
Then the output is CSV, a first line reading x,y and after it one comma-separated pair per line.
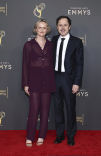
x,y
41,29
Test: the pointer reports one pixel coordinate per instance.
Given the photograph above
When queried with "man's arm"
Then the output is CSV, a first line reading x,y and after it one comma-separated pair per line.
x,y
79,67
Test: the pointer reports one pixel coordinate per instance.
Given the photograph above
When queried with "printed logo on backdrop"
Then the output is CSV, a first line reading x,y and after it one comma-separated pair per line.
x,y
80,119
3,9
2,115
2,34
82,93
83,40
4,93
38,10
79,11
33,36
5,65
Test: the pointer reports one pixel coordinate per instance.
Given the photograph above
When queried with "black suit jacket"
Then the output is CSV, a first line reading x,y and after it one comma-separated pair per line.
x,y
73,58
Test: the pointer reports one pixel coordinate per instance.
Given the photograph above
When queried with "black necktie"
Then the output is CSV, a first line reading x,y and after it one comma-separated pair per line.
x,y
60,55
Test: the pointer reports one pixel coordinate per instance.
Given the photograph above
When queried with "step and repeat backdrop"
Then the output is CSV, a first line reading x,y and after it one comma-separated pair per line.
x,y
17,19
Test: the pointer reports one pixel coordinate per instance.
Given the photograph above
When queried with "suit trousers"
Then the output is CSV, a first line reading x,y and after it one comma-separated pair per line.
x,y
39,102
64,93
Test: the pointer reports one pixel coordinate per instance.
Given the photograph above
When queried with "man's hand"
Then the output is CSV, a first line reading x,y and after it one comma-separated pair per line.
x,y
26,90
75,88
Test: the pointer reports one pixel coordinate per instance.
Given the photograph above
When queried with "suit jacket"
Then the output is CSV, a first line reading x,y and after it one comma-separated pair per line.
x,y
37,67
73,58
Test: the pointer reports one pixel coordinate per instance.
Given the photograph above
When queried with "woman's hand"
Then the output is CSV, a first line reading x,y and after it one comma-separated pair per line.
x,y
26,90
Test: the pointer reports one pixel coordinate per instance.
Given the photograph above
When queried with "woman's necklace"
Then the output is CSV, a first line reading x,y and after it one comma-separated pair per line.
x,y
41,44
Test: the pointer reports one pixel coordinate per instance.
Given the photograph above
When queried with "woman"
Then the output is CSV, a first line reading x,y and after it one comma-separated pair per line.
x,y
38,80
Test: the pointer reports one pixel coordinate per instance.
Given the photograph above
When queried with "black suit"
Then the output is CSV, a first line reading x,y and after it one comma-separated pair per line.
x,y
64,81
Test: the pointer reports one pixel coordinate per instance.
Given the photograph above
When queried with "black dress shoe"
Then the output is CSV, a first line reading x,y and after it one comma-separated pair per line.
x,y
71,141
59,139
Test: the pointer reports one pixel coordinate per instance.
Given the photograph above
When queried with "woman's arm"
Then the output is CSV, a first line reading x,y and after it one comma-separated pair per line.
x,y
25,67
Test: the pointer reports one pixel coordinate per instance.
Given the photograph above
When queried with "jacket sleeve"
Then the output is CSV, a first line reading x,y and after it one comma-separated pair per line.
x,y
25,65
78,63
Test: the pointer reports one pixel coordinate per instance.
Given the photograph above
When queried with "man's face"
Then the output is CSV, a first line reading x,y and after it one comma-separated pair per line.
x,y
63,27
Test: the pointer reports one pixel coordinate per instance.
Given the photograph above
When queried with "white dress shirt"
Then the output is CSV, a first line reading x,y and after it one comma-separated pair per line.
x,y
65,43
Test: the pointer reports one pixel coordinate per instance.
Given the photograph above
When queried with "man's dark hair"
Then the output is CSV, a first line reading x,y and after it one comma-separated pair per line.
x,y
60,17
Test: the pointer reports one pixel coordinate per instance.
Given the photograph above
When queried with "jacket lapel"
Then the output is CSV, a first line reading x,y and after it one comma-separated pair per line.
x,y
55,47
69,47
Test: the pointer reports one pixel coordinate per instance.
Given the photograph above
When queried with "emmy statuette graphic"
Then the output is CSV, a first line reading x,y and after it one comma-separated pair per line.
x,y
38,10
2,115
2,34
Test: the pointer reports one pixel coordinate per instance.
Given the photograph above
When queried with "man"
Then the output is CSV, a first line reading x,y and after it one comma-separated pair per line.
x,y
68,65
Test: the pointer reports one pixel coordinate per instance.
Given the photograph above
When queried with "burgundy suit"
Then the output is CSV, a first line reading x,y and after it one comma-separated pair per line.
x,y
37,69
38,75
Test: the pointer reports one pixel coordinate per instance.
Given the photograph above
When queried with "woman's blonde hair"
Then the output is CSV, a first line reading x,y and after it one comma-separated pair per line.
x,y
48,27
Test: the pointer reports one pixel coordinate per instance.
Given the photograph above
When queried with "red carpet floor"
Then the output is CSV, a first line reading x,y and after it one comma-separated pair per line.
x,y
87,143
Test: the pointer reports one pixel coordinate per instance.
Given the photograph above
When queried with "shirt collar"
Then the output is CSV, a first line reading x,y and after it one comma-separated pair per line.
x,y
66,37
